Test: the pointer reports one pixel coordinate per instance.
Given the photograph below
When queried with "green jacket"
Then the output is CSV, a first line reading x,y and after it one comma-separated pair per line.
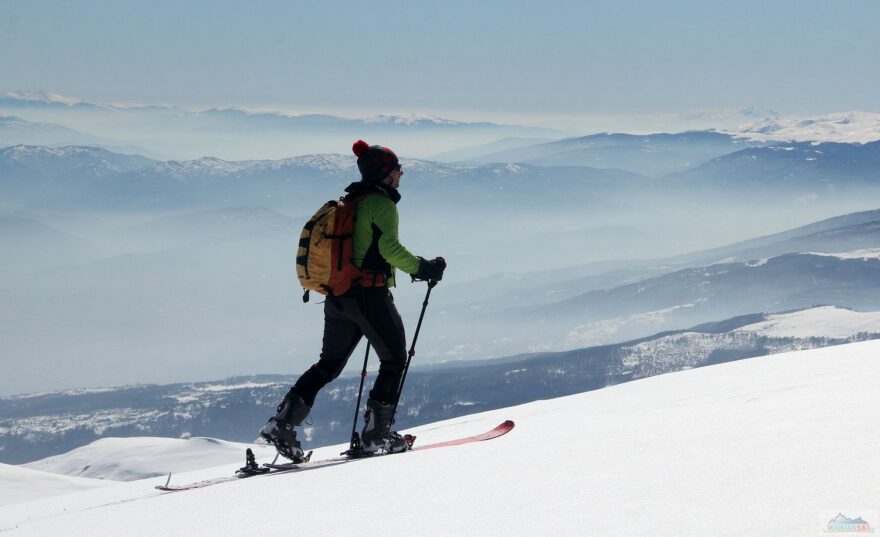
x,y
376,242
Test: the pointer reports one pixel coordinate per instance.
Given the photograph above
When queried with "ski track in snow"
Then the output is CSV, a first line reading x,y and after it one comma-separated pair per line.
x,y
754,447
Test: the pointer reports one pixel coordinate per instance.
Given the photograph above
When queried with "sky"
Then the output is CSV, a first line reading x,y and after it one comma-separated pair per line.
x,y
490,60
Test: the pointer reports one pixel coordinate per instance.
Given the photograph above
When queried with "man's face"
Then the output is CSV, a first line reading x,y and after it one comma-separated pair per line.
x,y
393,179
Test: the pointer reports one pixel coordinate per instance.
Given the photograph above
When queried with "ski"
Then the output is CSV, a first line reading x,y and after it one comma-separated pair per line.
x,y
251,469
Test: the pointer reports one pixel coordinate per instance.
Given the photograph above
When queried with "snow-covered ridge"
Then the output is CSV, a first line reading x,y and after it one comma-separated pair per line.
x,y
25,152
826,321
845,127
778,333
325,162
47,98
40,96
204,165
332,163
411,119
868,253
98,161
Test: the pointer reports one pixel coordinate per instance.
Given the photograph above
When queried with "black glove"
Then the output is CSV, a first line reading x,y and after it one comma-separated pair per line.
x,y
430,270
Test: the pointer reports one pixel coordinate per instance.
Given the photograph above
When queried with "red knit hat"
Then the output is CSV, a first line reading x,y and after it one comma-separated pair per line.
x,y
374,161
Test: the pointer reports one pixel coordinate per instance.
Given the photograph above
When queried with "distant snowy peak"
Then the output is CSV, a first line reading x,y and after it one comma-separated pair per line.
x,y
270,115
338,166
38,97
846,127
202,166
25,152
69,157
329,163
219,167
412,119
41,98
325,162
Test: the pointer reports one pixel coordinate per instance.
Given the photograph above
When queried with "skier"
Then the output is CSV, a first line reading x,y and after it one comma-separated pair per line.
x,y
365,310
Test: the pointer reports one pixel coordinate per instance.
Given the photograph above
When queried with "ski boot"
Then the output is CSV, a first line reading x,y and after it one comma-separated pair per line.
x,y
279,429
377,435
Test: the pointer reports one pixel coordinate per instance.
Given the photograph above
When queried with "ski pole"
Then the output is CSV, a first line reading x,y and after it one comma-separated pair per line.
x,y
412,349
355,438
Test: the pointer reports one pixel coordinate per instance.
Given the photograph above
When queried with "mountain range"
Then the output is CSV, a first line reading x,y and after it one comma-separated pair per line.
x,y
606,302
182,263
702,165
785,167
651,154
243,133
240,133
849,127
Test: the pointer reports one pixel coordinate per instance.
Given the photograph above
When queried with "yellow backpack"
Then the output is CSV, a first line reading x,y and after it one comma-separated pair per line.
x,y
324,259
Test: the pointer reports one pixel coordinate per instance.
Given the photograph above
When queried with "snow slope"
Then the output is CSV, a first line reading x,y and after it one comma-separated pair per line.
x,y
130,459
764,446
868,253
19,484
825,321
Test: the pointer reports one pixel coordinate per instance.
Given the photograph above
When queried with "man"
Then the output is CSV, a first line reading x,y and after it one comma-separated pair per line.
x,y
365,310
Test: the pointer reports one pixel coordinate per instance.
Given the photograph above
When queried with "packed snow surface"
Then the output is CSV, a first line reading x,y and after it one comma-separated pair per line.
x,y
19,484
827,321
763,446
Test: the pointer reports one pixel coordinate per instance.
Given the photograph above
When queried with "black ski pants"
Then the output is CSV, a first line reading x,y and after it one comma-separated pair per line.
x,y
362,311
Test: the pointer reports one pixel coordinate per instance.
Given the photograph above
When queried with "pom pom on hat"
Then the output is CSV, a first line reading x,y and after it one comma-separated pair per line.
x,y
360,147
